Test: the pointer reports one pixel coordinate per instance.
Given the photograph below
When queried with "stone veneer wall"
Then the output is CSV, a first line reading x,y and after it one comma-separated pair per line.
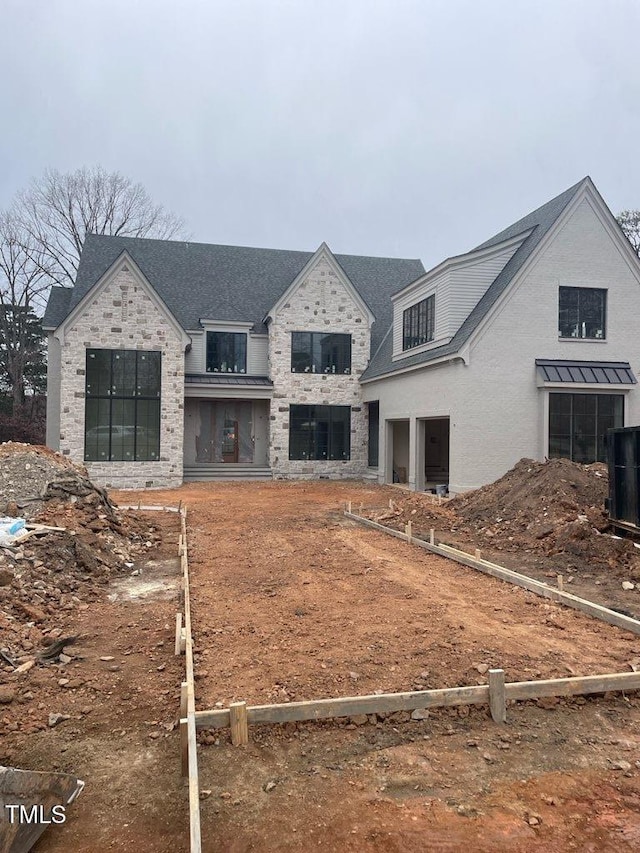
x,y
321,303
122,315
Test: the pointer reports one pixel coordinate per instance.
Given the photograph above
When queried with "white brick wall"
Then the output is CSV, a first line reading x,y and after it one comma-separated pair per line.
x,y
122,315
321,303
495,406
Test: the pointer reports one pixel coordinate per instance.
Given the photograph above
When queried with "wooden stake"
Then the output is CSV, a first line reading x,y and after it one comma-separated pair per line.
x,y
349,507
560,583
545,590
238,720
184,748
407,530
390,503
478,554
432,536
183,700
178,647
497,700
183,640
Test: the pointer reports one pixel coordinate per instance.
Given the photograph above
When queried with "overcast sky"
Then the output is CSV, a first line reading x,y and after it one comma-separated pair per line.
x,y
412,128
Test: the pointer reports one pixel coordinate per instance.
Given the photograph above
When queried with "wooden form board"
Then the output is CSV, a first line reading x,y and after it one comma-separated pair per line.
x,y
144,508
612,617
188,723
497,690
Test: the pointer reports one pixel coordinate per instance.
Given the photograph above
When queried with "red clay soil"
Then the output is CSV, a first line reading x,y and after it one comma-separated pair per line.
x,y
291,601
118,697
541,519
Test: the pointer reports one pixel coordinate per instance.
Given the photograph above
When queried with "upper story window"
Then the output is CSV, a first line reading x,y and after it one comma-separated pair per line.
x,y
418,323
226,352
320,352
582,312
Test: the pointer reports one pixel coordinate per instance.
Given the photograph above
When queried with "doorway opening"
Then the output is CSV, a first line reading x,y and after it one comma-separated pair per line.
x,y
434,445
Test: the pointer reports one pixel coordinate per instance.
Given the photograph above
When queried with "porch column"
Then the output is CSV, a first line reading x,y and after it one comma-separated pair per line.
x,y
385,452
413,453
420,455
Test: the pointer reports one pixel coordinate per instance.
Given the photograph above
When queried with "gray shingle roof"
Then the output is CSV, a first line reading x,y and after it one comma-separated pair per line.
x,y
57,307
202,281
541,221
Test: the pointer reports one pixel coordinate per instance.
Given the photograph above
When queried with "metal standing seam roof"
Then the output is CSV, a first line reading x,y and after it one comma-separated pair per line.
x,y
586,372
226,379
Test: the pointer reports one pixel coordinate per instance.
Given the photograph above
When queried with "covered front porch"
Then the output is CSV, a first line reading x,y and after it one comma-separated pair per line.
x,y
226,429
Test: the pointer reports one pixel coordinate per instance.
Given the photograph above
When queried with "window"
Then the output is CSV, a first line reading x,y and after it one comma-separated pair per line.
x,y
374,426
582,312
317,352
226,352
319,432
122,406
418,323
578,425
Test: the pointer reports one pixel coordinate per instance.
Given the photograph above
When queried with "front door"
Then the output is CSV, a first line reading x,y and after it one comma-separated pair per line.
x,y
230,445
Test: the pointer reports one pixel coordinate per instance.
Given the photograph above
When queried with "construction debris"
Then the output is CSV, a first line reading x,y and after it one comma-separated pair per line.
x,y
74,541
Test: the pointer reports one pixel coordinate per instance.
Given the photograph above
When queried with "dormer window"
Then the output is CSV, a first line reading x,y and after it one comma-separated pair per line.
x,y
418,323
582,313
226,352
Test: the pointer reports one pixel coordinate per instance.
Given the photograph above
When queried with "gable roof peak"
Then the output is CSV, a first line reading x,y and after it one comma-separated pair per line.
x,y
542,216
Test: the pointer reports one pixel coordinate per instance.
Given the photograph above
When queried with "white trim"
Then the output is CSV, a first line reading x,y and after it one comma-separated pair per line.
x,y
323,253
582,340
436,362
124,259
211,325
208,391
588,387
406,353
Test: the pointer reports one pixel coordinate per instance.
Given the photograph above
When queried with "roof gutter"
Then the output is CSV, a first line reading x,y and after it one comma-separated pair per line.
x,y
460,355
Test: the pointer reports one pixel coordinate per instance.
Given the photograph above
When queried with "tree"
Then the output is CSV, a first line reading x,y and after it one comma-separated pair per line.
x,y
23,285
57,211
629,221
41,238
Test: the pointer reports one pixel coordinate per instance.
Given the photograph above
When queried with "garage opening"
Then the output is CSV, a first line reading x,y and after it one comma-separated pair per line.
x,y
436,454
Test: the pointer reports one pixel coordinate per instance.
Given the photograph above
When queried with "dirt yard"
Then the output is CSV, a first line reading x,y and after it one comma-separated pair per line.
x,y
291,601
117,702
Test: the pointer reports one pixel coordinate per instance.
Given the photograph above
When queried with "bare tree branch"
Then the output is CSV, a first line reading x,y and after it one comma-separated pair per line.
x,y
57,211
629,221
23,287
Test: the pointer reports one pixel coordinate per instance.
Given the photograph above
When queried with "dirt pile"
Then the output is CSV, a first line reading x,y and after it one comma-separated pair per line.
x,y
537,495
31,475
62,569
554,509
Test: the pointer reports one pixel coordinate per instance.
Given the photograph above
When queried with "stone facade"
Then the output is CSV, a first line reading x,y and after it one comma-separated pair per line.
x,y
320,303
123,315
